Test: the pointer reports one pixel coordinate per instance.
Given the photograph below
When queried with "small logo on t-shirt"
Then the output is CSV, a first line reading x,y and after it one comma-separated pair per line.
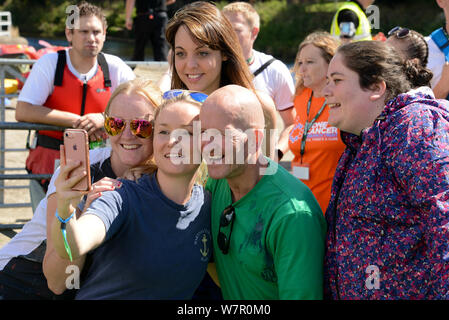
x,y
203,243
320,131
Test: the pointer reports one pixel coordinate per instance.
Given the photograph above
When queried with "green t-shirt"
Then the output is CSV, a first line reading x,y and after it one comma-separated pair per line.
x,y
277,241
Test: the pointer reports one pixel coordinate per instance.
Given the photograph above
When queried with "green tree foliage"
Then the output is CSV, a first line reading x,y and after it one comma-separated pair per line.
x,y
47,18
284,24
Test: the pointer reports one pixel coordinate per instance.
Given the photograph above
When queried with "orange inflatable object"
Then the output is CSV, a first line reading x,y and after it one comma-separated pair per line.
x,y
16,49
24,51
380,37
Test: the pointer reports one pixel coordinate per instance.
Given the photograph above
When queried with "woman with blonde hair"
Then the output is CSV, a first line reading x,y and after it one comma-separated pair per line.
x,y
130,134
316,145
29,266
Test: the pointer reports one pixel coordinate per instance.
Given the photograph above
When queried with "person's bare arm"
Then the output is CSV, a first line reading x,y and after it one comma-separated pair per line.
x,y
85,232
288,116
128,13
269,112
91,122
164,82
212,270
54,267
27,112
441,89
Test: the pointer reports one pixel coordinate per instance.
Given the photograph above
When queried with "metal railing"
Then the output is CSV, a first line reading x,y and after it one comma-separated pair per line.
x,y
5,66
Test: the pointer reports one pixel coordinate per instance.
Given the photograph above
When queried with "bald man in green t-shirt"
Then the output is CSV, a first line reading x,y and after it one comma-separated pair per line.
x,y
268,229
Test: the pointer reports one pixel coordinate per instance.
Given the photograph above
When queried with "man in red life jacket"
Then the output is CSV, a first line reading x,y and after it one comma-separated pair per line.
x,y
69,88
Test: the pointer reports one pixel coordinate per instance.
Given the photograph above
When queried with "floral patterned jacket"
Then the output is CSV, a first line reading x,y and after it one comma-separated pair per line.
x,y
388,217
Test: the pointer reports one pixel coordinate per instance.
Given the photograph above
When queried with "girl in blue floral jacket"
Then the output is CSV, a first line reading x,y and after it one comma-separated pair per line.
x,y
388,216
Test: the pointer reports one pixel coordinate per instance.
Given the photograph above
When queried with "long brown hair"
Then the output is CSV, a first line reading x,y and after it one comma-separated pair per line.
x,y
148,90
209,27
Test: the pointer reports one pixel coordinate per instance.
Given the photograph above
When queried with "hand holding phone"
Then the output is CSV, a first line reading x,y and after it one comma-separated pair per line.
x,y
76,146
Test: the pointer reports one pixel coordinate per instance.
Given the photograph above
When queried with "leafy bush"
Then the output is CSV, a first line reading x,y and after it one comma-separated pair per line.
x,y
283,25
47,18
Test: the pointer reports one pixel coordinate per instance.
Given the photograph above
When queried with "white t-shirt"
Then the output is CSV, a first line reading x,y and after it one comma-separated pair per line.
x,y
436,61
276,80
39,84
35,230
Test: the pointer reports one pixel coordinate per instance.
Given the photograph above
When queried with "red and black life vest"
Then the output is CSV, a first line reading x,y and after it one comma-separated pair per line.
x,y
75,96
72,95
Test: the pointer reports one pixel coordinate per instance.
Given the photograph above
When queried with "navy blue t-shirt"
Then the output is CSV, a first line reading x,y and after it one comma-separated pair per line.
x,y
154,248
